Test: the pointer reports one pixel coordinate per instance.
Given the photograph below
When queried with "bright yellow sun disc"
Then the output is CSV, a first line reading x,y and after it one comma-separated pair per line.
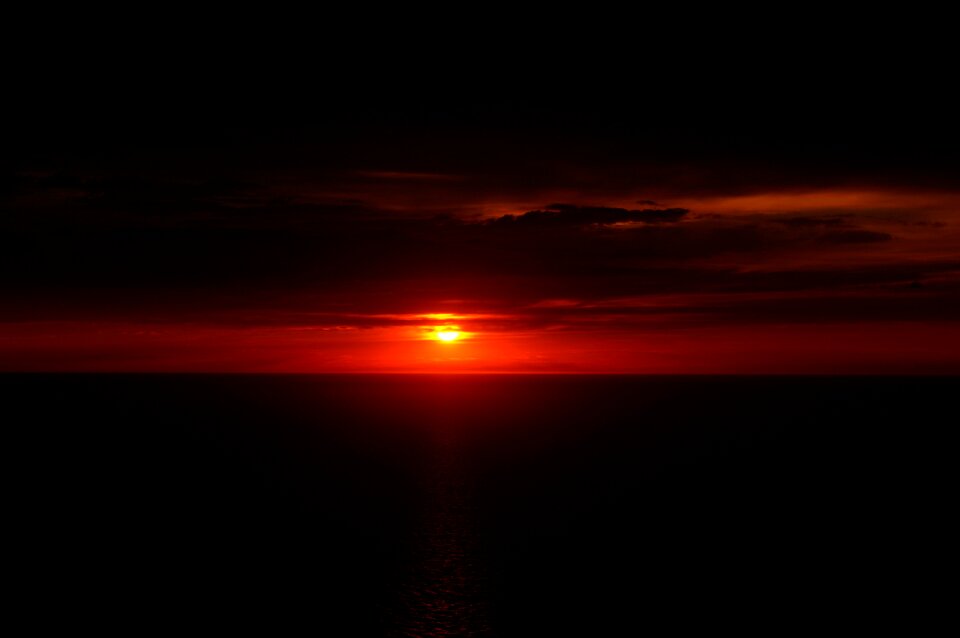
x,y
447,335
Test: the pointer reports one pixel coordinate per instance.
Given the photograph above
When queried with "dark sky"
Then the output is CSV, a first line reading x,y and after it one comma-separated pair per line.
x,y
581,209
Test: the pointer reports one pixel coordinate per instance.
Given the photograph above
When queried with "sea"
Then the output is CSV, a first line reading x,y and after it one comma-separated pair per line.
x,y
478,505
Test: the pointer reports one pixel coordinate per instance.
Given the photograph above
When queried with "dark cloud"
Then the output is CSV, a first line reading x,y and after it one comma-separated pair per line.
x,y
121,231
223,251
820,221
572,215
854,237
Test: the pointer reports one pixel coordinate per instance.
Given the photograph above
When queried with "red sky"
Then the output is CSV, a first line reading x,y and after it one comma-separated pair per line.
x,y
567,236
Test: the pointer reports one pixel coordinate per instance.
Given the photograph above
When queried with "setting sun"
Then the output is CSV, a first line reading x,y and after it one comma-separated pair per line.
x,y
447,335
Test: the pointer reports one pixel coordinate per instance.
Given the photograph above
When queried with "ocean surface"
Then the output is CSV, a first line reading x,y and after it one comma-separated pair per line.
x,y
477,505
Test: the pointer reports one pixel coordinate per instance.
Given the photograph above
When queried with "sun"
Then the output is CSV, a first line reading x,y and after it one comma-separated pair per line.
x,y
447,335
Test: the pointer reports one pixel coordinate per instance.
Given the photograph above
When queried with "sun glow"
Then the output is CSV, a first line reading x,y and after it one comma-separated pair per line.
x,y
447,335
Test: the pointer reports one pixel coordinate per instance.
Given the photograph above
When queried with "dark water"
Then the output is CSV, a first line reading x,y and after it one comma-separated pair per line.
x,y
477,505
